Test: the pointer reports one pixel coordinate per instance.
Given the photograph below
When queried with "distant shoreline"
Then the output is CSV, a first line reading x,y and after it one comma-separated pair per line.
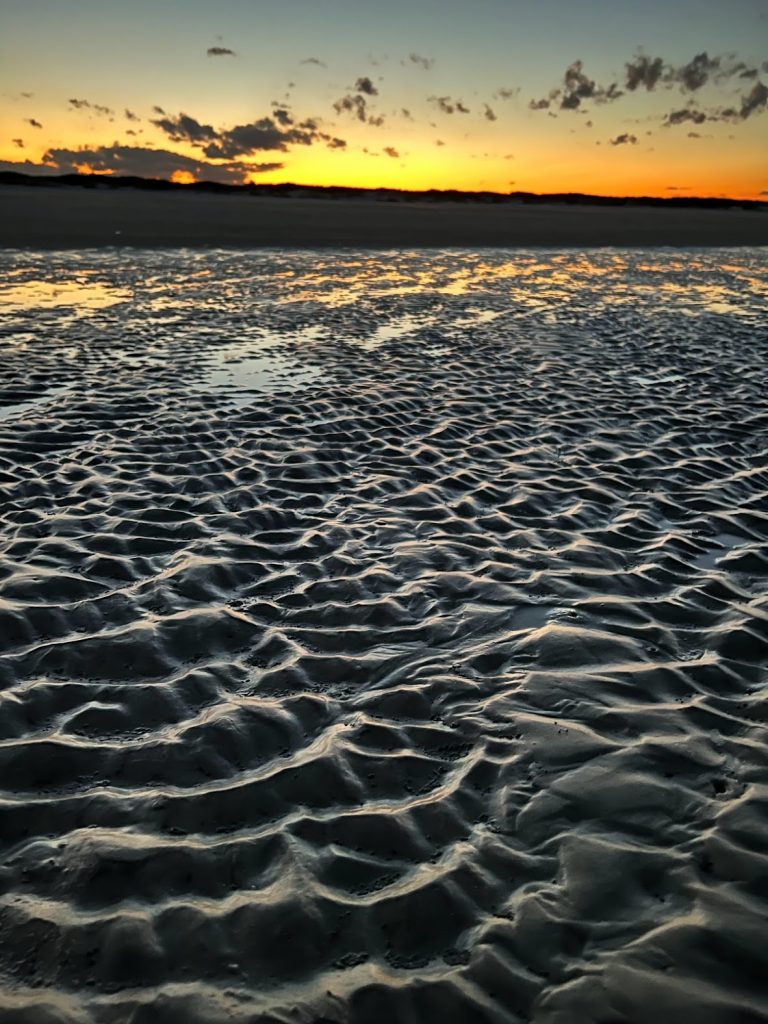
x,y
46,213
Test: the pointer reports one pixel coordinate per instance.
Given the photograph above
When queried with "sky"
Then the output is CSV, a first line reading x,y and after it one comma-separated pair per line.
x,y
601,96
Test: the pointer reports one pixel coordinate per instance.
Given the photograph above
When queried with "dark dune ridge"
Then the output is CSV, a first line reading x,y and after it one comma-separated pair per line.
x,y
384,637
88,211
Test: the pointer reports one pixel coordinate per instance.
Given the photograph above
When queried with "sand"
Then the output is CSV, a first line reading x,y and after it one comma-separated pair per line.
x,y
384,637
76,218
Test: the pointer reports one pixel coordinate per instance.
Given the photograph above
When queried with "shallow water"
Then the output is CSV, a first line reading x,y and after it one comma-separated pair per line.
x,y
384,636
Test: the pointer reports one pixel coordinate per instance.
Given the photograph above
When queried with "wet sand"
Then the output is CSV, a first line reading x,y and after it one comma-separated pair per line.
x,y
51,218
384,638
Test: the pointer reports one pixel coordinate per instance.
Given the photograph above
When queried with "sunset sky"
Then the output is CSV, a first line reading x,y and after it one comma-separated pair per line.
x,y
600,96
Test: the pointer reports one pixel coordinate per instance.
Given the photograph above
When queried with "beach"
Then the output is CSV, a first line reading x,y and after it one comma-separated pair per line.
x,y
384,633
64,218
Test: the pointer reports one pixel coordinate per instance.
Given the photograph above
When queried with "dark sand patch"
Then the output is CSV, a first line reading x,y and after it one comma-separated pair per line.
x,y
429,687
49,218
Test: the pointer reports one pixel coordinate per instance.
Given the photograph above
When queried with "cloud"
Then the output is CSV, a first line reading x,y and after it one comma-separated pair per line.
x,y
19,143
245,139
140,161
220,51
97,108
447,105
425,63
542,104
678,188
506,94
184,128
32,122
314,60
624,140
391,151
684,115
643,71
754,101
405,112
130,116
439,142
366,86
695,73
282,115
355,105
488,114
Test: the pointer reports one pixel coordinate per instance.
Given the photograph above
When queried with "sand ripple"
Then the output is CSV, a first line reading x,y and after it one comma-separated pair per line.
x,y
384,637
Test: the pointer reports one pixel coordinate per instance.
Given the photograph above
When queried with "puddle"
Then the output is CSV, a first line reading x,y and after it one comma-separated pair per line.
x,y
46,295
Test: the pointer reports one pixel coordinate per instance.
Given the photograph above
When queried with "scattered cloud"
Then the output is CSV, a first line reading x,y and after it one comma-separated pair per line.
x,y
488,113
678,188
314,60
95,108
755,100
220,51
19,143
365,85
130,116
32,122
425,63
439,142
643,72
391,151
506,94
624,140
245,139
447,105
684,115
695,73
141,161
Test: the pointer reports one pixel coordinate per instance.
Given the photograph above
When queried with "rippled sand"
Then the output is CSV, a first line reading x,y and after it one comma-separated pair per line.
x,y
385,637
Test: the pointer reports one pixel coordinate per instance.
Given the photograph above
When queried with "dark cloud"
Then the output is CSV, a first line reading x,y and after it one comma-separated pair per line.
x,y
542,104
184,128
245,139
220,51
391,151
314,60
354,105
643,71
130,116
447,105
138,160
578,86
685,115
624,140
96,108
439,142
32,122
366,86
19,143
488,114
694,135
159,110
678,188
282,115
756,100
425,63
695,74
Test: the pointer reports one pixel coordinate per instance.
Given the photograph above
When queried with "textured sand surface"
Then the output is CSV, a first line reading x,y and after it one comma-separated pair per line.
x,y
77,218
384,637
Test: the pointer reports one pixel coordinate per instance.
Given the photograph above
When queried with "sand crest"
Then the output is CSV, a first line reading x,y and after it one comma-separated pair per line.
x,y
383,637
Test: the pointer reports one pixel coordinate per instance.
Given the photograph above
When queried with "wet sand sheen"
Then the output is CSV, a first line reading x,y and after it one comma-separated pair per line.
x,y
384,637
